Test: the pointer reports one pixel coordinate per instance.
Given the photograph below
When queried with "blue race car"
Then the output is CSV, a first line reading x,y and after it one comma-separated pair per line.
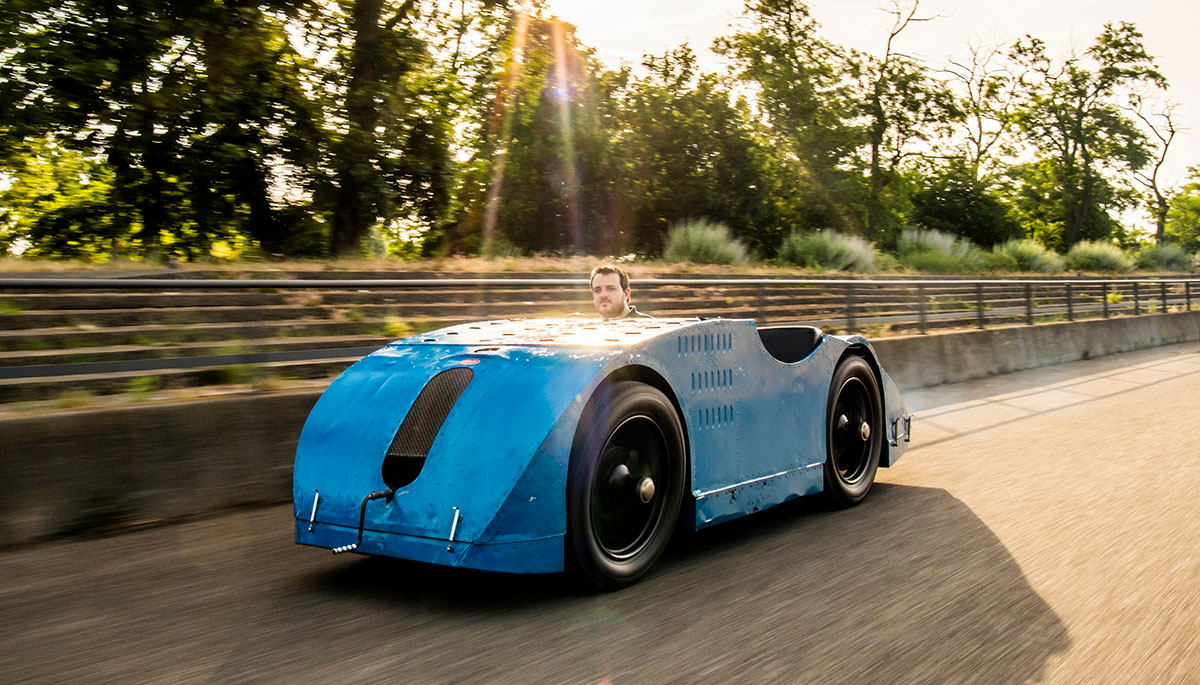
x,y
534,446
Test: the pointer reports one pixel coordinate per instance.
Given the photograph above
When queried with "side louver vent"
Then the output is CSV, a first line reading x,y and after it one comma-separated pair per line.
x,y
406,455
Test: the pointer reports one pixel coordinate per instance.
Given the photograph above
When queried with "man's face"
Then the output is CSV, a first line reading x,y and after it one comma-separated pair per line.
x,y
607,295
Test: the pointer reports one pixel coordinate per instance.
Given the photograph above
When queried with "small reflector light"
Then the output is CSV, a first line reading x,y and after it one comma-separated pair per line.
x,y
469,362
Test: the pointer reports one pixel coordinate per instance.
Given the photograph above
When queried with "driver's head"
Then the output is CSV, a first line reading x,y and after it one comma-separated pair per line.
x,y
610,291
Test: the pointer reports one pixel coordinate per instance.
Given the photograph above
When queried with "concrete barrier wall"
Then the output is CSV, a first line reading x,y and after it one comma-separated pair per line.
x,y
919,361
101,469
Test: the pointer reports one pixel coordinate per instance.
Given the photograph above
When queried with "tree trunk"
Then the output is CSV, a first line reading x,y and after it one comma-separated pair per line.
x,y
356,177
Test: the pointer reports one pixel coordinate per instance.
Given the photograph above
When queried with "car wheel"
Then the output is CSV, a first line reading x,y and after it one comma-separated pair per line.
x,y
625,483
854,432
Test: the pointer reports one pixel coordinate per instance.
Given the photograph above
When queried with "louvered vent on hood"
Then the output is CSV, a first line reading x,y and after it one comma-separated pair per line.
x,y
406,456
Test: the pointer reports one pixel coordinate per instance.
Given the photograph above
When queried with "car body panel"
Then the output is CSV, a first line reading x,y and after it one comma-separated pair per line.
x,y
495,476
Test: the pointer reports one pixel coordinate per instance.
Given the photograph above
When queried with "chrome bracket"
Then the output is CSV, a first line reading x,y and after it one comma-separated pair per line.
x,y
313,516
906,421
453,529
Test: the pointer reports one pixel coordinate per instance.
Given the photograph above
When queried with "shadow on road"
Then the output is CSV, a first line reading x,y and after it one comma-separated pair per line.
x,y
909,587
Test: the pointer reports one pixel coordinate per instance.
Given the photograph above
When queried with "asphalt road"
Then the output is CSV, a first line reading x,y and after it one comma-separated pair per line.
x,y
1045,527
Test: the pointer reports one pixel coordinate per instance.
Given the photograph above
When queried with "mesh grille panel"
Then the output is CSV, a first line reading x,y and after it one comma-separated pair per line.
x,y
428,412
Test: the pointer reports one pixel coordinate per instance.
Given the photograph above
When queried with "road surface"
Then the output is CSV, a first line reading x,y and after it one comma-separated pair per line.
x,y
1044,528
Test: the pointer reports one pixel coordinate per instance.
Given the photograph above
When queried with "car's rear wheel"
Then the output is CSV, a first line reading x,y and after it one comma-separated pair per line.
x,y
625,484
854,432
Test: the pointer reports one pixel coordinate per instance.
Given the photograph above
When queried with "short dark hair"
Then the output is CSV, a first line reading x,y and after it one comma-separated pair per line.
x,y
610,269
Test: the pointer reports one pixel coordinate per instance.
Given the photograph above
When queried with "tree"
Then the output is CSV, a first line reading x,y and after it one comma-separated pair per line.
x,y
906,110
956,201
56,203
1070,113
187,104
988,92
540,179
689,151
1160,122
1183,217
806,92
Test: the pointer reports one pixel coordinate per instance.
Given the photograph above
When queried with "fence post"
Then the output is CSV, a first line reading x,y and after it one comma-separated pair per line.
x,y
979,303
1187,294
921,306
1137,300
850,322
1163,290
1104,298
1070,305
1029,303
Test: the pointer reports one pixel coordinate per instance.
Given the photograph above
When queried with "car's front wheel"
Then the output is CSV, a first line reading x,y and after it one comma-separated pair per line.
x,y
854,432
625,484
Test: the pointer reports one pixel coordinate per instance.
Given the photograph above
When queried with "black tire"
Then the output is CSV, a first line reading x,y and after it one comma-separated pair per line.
x,y
624,484
853,432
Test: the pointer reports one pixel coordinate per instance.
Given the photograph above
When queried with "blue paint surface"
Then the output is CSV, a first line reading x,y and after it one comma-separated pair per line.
x,y
754,427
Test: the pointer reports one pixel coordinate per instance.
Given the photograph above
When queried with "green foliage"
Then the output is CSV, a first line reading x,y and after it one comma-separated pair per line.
x,y
1098,257
1029,255
375,243
885,261
955,201
997,262
1183,215
236,131
9,308
141,387
806,91
828,250
684,148
936,252
1072,113
915,241
939,262
1163,257
500,248
700,241
396,327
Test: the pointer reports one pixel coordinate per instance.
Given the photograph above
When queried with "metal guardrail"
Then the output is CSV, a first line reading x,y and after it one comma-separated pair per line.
x,y
874,307
844,303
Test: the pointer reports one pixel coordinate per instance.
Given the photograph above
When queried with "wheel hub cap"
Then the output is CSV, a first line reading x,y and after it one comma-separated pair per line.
x,y
646,490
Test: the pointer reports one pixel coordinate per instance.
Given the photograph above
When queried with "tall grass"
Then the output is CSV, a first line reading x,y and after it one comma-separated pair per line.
x,y
1100,257
827,250
937,252
914,240
1030,255
1164,257
701,241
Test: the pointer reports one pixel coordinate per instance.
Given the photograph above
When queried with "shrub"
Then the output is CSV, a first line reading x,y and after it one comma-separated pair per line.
x,y
1164,257
1093,256
375,242
396,327
501,248
937,252
933,262
827,250
915,240
1030,255
703,242
996,261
